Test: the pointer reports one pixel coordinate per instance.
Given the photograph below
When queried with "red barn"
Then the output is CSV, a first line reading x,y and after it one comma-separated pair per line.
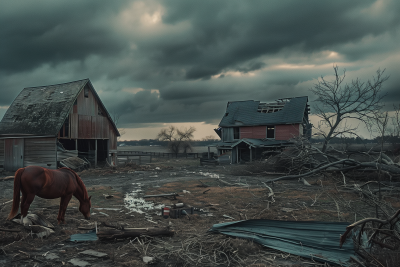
x,y
248,128
46,124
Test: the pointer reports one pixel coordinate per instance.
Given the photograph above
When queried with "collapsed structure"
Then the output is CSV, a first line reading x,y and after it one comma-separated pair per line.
x,y
47,124
249,128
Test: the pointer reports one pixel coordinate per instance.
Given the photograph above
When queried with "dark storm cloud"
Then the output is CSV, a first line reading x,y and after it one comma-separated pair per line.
x,y
179,61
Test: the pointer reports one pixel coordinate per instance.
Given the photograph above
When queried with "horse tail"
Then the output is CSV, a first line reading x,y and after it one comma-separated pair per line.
x,y
17,187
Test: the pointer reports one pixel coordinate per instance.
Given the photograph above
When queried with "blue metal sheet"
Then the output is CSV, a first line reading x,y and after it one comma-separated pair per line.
x,y
89,236
314,240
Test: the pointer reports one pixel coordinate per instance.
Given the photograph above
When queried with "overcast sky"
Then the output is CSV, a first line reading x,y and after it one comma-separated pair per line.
x,y
179,62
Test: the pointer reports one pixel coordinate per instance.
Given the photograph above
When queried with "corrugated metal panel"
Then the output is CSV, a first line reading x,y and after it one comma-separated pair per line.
x,y
286,132
257,132
85,127
1,152
40,152
74,119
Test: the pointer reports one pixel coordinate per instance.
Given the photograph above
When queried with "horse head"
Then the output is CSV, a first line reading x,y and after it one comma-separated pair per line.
x,y
84,207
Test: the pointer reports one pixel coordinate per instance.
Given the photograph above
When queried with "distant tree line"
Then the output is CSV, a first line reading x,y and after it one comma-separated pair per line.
x,y
155,142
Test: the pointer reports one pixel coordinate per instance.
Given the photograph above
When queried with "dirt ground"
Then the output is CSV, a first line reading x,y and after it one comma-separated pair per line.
x,y
215,191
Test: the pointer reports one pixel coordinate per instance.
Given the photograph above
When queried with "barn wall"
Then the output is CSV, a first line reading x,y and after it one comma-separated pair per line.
x,y
85,121
40,152
13,154
286,132
257,132
1,152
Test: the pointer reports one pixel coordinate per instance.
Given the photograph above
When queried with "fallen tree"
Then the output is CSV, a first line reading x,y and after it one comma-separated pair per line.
x,y
303,160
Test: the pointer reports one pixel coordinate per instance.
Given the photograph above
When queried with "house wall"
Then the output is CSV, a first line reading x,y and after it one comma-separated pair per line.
x,y
1,153
257,132
287,131
40,152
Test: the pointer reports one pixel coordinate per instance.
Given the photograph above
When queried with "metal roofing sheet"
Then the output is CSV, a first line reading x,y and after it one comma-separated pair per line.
x,y
241,113
315,240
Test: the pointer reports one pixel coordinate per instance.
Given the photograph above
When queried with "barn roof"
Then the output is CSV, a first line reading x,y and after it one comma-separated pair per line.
x,y
247,113
42,110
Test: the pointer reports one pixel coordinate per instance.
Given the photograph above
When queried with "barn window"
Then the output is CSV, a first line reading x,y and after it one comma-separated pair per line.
x,y
86,91
271,132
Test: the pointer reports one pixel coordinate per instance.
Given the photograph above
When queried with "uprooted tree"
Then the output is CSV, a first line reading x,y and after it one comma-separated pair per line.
x,y
338,101
178,139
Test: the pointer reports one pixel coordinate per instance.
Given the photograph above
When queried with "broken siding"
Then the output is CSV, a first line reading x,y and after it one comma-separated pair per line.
x,y
1,153
40,152
286,132
256,132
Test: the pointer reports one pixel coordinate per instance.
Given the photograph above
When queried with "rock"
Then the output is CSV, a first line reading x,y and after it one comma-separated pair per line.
x,y
147,259
51,256
78,262
94,253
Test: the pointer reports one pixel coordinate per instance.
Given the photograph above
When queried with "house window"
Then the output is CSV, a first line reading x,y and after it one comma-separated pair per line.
x,y
86,91
236,134
271,132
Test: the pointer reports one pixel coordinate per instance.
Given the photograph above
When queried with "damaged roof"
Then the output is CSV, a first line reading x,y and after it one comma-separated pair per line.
x,y
42,110
245,113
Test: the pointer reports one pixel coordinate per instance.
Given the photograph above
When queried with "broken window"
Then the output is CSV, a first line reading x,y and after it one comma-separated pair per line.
x,y
271,132
99,111
236,133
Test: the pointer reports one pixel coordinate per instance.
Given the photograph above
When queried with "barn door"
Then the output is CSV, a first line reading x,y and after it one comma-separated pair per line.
x,y
14,154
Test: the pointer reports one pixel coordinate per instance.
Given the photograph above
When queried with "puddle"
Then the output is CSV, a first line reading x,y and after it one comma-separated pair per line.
x,y
209,174
137,204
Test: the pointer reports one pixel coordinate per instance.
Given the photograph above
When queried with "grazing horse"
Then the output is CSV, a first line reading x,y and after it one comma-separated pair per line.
x,y
37,181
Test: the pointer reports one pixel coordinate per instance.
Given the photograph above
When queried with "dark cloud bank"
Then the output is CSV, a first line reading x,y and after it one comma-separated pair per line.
x,y
181,61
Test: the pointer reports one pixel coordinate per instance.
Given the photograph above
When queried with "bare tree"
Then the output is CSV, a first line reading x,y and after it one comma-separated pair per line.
x,y
115,117
178,139
338,101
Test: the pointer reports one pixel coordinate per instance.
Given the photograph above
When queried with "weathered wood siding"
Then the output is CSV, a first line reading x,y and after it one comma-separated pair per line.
x,y
1,153
13,154
256,132
86,123
286,132
40,152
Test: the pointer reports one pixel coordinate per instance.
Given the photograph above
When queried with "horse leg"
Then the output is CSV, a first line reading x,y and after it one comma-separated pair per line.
x,y
63,207
23,199
27,200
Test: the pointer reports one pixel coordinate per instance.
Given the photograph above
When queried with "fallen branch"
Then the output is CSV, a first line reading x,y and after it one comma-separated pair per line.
x,y
10,230
133,232
163,195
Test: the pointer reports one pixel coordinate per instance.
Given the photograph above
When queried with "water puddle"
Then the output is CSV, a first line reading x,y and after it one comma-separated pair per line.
x,y
137,204
209,174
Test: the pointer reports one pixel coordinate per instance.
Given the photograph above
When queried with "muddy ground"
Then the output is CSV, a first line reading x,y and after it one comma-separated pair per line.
x,y
217,191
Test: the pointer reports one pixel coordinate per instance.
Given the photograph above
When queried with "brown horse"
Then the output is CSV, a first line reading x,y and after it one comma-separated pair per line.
x,y
37,181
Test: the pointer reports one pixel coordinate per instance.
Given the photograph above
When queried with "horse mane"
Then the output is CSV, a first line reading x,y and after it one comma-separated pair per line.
x,y
80,182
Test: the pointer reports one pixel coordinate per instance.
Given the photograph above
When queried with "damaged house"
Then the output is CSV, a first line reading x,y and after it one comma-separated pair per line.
x,y
249,128
47,124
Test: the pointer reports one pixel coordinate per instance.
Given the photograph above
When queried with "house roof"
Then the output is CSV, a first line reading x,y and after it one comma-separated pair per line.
x,y
244,113
41,111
